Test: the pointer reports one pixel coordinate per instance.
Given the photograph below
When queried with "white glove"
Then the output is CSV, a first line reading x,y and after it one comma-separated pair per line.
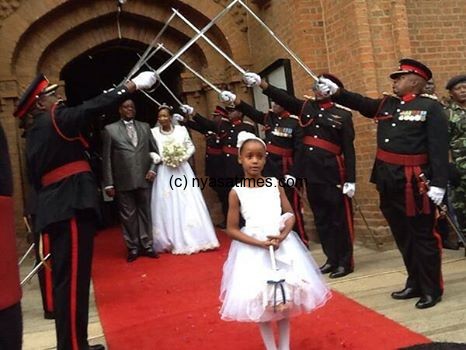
x,y
326,87
436,194
187,109
349,188
290,180
145,80
227,97
251,79
178,117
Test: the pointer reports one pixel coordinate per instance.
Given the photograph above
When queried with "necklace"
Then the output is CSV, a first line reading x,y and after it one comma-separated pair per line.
x,y
167,132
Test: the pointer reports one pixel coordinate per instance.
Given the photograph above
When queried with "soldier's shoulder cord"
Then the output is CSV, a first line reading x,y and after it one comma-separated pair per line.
x,y
343,107
389,94
432,97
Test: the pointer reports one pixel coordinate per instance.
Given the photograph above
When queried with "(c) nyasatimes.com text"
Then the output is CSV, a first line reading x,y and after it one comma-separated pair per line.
x,y
182,182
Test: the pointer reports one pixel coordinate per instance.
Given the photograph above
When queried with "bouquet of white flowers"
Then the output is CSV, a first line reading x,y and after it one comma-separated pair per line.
x,y
173,154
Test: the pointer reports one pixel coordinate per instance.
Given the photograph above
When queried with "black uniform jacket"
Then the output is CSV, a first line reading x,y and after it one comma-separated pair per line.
x,y
416,126
280,130
213,156
332,124
47,150
228,133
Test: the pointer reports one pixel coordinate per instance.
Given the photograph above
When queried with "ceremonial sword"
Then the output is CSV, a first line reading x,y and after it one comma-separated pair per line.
x,y
212,86
35,269
200,34
195,38
291,53
443,211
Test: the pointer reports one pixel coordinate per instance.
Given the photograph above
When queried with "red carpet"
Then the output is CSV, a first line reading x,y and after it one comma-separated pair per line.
x,y
172,304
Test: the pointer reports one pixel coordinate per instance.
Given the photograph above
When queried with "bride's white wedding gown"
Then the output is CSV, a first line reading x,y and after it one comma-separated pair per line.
x,y
180,219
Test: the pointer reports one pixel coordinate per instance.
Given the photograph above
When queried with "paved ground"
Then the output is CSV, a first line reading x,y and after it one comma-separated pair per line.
x,y
377,274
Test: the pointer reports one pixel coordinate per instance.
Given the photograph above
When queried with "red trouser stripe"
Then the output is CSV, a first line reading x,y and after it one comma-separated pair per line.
x,y
47,275
439,245
74,282
346,201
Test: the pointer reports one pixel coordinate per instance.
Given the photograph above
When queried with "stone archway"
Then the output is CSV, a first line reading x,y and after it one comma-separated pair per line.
x,y
46,37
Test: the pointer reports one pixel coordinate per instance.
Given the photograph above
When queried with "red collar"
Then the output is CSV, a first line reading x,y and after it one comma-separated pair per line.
x,y
408,97
326,104
236,122
284,114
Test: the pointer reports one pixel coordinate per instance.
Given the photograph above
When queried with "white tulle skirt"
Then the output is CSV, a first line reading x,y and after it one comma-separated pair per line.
x,y
181,223
248,295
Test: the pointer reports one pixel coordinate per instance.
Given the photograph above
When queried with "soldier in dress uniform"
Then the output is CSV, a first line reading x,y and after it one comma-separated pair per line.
x,y
214,167
11,322
67,204
412,138
456,112
227,130
326,160
283,137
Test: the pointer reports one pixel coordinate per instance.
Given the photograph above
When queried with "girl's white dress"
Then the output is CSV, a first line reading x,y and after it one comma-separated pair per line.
x,y
181,223
245,293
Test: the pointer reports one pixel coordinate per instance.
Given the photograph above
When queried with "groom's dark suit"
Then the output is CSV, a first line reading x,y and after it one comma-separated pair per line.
x,y
124,168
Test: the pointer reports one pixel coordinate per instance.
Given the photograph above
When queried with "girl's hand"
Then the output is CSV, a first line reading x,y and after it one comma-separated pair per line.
x,y
277,239
265,244
274,241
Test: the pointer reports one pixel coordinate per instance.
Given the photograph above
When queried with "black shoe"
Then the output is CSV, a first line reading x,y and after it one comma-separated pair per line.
x,y
427,301
96,347
406,293
132,255
49,315
340,271
446,244
326,268
151,254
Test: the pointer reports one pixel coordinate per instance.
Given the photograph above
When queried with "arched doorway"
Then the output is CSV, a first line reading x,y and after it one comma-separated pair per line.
x,y
104,66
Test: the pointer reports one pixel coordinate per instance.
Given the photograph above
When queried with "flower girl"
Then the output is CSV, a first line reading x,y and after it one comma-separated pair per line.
x,y
260,284
180,220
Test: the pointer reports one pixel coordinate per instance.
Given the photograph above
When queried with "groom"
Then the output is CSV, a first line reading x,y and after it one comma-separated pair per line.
x,y
128,172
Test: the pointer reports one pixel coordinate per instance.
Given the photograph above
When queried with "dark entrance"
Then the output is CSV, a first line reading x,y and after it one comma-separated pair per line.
x,y
104,66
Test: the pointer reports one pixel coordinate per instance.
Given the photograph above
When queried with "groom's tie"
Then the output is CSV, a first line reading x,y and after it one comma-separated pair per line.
x,y
133,136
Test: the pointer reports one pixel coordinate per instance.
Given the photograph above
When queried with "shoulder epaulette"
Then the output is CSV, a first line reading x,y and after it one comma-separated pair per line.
x,y
248,122
225,119
433,97
293,116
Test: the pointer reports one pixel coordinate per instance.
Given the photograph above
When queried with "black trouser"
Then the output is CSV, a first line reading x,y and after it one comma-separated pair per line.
x,y
11,328
333,221
45,273
135,216
417,241
71,247
296,204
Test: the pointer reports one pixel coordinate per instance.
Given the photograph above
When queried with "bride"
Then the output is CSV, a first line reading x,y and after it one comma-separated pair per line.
x,y
180,220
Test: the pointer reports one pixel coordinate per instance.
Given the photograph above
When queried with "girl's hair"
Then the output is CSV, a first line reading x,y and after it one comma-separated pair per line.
x,y
250,140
